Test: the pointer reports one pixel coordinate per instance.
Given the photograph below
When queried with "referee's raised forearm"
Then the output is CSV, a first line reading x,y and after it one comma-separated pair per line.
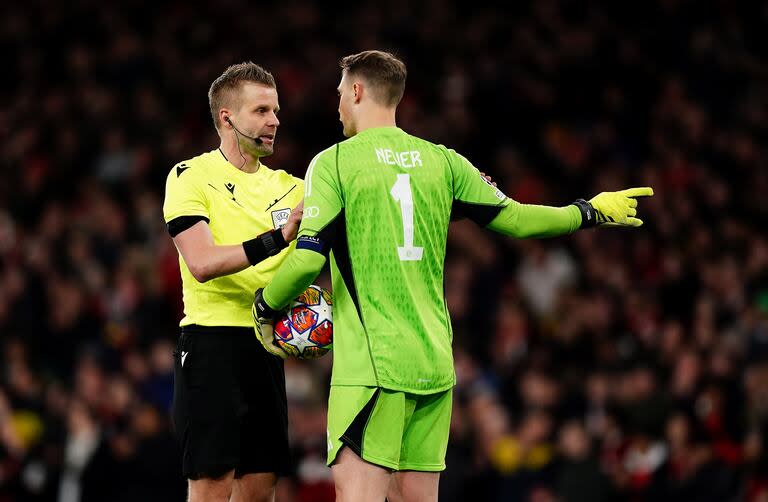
x,y
207,261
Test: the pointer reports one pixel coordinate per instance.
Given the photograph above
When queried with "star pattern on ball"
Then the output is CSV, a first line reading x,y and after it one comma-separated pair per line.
x,y
323,311
301,340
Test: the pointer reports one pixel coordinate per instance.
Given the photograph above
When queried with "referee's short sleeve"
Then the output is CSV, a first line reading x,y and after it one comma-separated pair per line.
x,y
183,194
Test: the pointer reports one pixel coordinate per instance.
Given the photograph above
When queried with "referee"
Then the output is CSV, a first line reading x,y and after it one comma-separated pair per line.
x,y
232,219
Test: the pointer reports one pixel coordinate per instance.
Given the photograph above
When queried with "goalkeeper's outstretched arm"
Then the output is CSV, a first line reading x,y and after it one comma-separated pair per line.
x,y
608,208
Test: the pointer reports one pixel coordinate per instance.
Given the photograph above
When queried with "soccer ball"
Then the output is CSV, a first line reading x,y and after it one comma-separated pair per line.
x,y
306,329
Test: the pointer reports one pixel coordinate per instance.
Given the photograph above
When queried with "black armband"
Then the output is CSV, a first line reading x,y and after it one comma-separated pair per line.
x,y
266,245
588,213
178,225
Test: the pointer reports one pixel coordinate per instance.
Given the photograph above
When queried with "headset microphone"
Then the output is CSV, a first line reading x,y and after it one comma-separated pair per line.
x,y
258,141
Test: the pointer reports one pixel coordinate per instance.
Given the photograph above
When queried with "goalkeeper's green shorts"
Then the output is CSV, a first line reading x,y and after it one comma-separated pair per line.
x,y
395,430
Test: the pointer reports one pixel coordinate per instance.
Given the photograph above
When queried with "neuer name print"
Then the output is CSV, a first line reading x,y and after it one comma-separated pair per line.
x,y
402,159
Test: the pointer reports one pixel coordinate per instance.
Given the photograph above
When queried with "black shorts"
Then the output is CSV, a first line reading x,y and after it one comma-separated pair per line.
x,y
229,405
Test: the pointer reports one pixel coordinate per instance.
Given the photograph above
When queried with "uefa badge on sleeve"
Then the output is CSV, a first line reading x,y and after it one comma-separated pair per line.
x,y
280,217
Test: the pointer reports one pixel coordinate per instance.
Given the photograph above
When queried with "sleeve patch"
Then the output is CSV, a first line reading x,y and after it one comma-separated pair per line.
x,y
312,243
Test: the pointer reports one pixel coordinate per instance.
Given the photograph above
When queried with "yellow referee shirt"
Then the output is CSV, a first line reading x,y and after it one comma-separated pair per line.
x,y
238,206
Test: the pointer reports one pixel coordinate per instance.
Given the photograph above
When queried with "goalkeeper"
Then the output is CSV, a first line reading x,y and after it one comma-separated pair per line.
x,y
378,205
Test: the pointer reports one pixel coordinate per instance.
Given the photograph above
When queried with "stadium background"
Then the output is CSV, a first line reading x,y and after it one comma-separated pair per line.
x,y
610,365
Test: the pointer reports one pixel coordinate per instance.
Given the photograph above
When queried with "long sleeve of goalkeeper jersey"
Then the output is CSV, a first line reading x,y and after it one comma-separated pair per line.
x,y
530,220
293,277
322,205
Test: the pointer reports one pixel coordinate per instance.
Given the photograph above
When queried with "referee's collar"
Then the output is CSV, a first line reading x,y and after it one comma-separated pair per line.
x,y
231,165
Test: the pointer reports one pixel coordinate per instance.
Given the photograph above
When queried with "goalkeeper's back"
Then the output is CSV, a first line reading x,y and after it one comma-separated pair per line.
x,y
387,197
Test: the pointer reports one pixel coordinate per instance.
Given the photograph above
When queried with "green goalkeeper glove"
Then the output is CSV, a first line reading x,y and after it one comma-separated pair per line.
x,y
615,209
264,325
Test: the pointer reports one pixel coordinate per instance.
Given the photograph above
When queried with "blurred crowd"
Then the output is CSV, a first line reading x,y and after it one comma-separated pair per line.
x,y
604,366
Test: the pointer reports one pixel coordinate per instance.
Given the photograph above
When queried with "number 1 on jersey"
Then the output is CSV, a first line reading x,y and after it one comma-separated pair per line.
x,y
401,192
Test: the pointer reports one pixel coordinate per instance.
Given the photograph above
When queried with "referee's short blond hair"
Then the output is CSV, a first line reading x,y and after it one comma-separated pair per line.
x,y
225,90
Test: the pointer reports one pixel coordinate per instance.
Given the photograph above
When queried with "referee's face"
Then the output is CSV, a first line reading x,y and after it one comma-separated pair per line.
x,y
257,118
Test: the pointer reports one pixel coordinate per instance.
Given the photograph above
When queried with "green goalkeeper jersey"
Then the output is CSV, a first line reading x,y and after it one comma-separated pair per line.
x,y
381,202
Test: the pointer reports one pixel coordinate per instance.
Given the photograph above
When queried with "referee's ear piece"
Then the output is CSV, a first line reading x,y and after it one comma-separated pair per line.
x,y
226,119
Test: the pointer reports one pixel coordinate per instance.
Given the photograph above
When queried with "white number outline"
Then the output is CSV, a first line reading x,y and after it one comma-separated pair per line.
x,y
401,192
